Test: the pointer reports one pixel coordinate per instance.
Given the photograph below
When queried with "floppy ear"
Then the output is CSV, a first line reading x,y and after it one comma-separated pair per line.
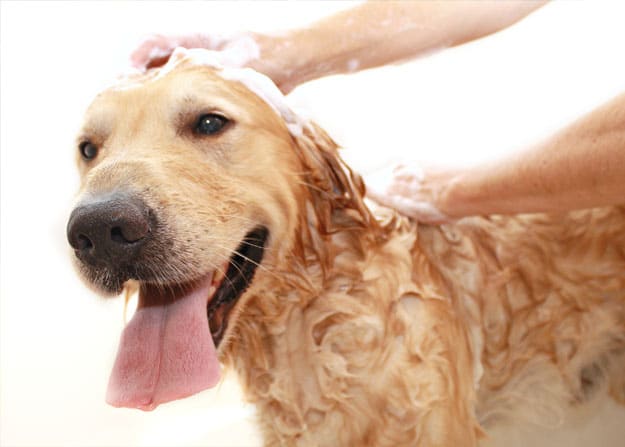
x,y
336,192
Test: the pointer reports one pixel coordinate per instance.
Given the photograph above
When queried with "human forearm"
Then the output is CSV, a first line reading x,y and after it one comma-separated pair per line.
x,y
582,166
377,33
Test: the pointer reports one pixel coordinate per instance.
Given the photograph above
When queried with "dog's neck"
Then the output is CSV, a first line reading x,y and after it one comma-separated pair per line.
x,y
315,324
326,234
290,283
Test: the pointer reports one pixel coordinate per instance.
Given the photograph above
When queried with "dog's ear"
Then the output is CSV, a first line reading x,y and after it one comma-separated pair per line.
x,y
336,192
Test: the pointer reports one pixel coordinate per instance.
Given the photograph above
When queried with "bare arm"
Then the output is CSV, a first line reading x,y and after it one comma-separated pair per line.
x,y
582,166
376,33
371,34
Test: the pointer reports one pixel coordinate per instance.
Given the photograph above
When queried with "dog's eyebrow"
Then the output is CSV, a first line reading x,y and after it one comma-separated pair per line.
x,y
99,122
92,131
189,99
191,102
190,106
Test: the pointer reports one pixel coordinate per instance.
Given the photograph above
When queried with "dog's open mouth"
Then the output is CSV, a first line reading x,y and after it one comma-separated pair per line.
x,y
168,349
239,275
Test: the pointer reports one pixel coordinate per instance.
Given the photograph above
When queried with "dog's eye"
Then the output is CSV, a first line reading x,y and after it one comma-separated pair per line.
x,y
210,124
88,150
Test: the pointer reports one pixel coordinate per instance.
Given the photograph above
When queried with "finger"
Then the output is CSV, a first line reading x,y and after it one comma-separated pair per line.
x,y
421,211
153,51
139,57
157,61
150,57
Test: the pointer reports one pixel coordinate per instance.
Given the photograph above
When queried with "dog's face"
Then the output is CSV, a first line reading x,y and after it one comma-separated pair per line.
x,y
186,190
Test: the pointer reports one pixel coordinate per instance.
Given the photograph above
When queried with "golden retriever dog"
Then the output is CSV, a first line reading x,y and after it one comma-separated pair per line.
x,y
251,246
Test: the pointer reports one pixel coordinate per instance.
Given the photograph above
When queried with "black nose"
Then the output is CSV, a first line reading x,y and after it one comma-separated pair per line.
x,y
109,230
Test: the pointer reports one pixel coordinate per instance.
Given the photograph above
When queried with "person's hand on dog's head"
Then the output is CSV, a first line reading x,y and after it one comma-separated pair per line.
x,y
154,50
238,50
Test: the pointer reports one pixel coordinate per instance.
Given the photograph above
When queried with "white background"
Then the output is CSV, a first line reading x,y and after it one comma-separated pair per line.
x,y
58,339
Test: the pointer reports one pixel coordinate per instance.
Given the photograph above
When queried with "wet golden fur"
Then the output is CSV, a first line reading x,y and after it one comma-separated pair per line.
x,y
365,328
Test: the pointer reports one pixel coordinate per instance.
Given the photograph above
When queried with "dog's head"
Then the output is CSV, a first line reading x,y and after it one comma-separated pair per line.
x,y
195,182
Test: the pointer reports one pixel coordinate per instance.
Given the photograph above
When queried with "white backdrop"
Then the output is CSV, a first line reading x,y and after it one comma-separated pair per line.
x,y
58,339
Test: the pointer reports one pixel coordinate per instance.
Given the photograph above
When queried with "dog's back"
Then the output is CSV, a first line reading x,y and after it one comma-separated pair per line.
x,y
443,334
543,299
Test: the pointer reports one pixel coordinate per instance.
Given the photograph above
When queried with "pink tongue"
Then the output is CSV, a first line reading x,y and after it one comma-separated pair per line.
x,y
166,352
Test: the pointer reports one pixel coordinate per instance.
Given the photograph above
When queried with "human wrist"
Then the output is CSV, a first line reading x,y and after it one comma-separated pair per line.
x,y
296,56
449,194
283,58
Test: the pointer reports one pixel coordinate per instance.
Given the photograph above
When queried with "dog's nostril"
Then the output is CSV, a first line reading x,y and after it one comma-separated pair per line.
x,y
124,237
84,243
130,232
117,236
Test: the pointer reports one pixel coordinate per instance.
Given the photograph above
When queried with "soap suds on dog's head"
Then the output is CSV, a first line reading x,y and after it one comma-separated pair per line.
x,y
228,65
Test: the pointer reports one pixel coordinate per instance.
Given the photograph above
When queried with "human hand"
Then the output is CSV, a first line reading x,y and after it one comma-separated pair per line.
x,y
411,190
154,51
237,50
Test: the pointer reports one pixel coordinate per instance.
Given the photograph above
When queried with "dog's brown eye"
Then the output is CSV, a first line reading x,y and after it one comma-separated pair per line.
x,y
88,150
210,124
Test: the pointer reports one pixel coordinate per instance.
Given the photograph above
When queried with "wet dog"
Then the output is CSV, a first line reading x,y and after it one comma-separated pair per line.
x,y
250,243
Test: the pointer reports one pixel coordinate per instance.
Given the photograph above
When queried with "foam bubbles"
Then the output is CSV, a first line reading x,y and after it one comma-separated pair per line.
x,y
228,64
